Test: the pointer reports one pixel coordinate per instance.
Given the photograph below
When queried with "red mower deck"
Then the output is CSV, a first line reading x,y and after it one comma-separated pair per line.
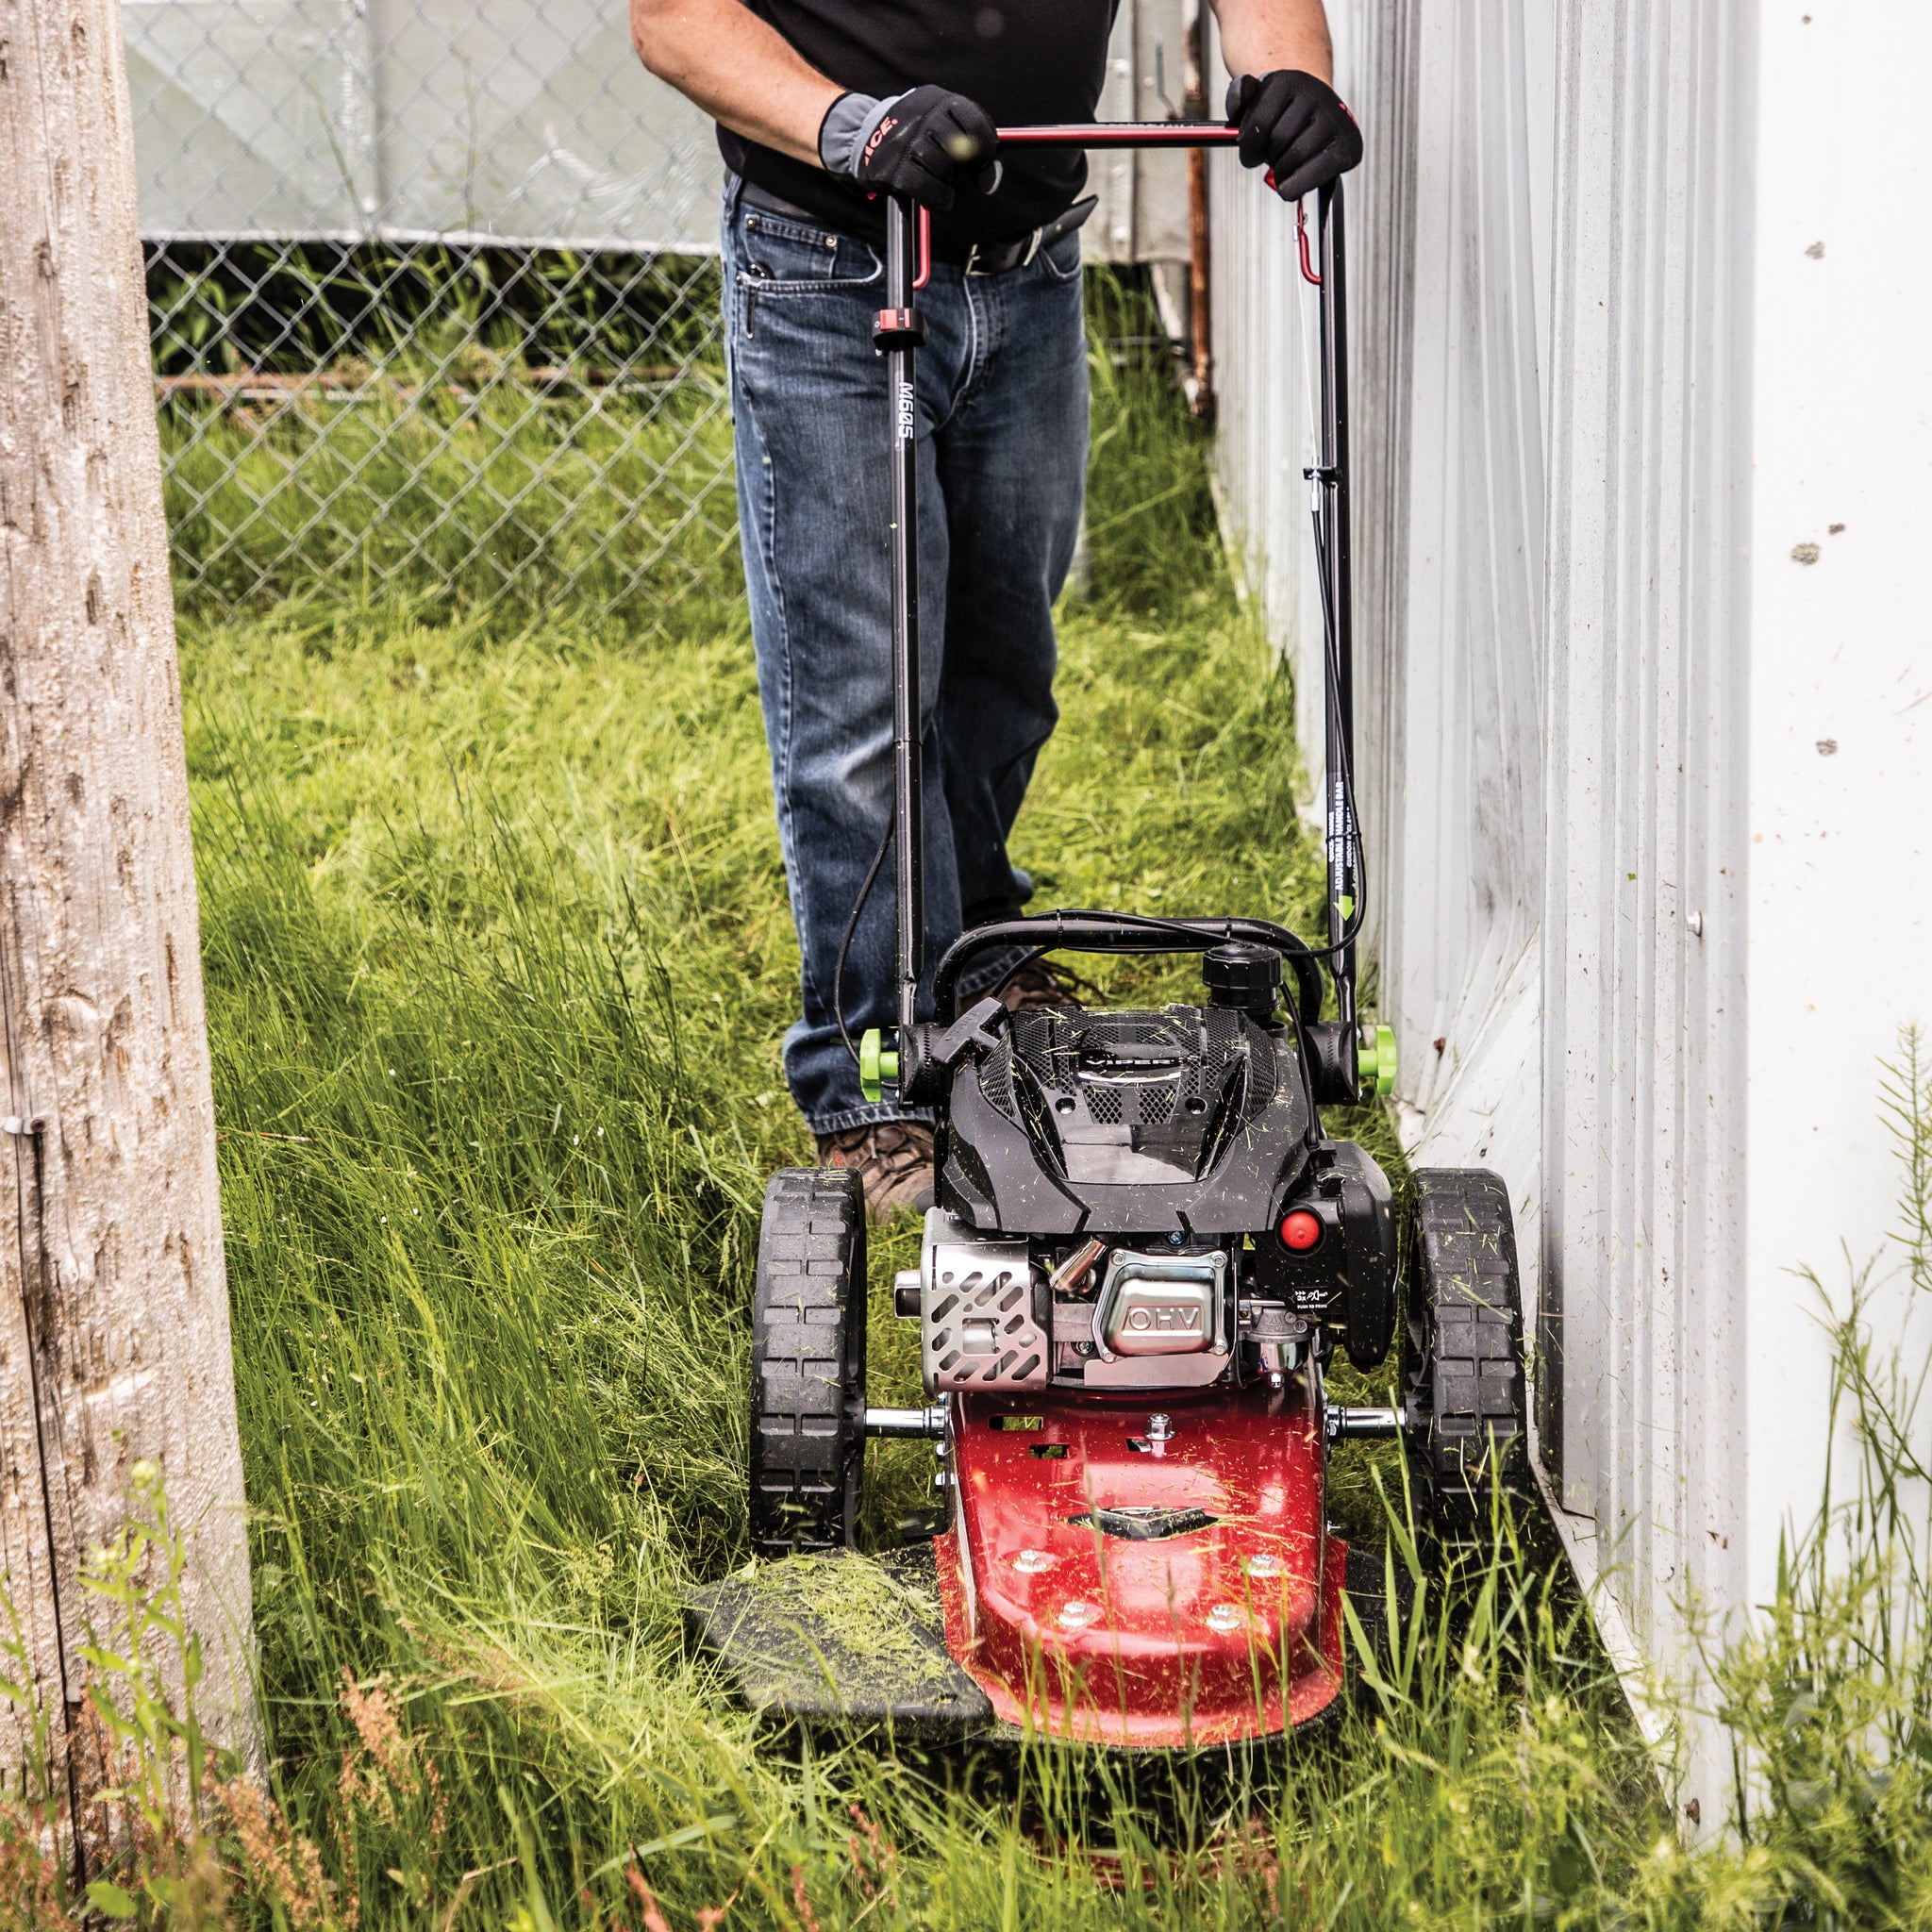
x,y
1144,1590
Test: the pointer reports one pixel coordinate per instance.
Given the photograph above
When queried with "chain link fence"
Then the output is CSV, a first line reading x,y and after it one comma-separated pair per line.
x,y
434,301
434,294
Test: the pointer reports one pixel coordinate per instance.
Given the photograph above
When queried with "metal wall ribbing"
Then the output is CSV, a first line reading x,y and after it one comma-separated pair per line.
x,y
1552,335
1645,1040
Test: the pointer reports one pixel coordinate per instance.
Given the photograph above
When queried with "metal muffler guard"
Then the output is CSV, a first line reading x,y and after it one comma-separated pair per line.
x,y
978,1328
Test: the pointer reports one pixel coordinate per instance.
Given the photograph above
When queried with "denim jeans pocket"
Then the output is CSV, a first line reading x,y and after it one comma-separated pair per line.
x,y
1061,262
785,255
782,261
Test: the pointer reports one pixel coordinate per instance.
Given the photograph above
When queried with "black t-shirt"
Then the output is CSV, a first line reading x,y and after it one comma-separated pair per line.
x,y
1022,60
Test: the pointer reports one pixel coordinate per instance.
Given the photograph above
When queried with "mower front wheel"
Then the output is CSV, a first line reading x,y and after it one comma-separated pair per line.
x,y
1462,1372
807,1363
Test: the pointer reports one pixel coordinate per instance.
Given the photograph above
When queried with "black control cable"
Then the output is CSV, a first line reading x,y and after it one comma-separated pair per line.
x,y
1332,646
878,860
1352,925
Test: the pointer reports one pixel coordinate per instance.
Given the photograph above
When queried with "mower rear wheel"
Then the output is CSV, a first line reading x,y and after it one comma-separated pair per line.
x,y
807,1363
1462,1376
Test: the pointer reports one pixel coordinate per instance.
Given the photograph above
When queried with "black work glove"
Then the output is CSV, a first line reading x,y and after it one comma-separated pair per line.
x,y
1296,127
931,144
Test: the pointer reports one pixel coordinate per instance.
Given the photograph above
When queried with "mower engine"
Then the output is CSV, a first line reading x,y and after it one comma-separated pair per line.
x,y
1143,1200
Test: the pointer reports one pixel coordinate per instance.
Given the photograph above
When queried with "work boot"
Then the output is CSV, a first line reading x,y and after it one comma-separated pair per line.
x,y
894,1159
1037,984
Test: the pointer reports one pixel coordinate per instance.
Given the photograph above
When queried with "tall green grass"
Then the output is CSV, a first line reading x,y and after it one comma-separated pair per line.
x,y
456,483
497,963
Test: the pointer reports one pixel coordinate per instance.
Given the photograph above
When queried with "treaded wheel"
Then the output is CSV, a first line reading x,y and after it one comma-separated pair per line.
x,y
807,1363
1462,1376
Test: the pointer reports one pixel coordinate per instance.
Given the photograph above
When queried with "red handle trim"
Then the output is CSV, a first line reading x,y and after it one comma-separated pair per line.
x,y
1301,223
1123,134
924,251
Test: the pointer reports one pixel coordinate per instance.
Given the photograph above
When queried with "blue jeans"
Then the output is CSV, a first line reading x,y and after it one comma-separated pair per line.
x,y
1002,466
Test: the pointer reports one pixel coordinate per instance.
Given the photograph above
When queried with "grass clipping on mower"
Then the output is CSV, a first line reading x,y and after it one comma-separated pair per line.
x,y
859,1606
838,1636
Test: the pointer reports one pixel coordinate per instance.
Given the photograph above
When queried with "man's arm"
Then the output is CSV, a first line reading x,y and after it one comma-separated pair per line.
x,y
720,55
1260,36
926,142
723,57
1281,96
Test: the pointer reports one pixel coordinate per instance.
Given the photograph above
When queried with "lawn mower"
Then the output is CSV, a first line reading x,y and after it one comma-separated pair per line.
x,y
1143,1254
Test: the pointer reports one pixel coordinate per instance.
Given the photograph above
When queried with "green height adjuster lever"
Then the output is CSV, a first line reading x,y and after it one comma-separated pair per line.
x,y
877,1064
1375,1060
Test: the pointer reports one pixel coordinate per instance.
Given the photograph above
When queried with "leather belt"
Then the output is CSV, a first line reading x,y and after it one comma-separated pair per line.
x,y
998,258
982,257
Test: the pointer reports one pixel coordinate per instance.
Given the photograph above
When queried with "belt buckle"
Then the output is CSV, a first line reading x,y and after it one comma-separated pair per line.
x,y
977,258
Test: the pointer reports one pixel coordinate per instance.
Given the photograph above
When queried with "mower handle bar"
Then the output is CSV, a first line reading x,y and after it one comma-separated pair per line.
x,y
1122,134
1064,134
899,331
1100,932
1137,134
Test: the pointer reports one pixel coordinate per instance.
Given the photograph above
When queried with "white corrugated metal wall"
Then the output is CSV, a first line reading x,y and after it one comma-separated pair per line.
x,y
1647,1026
1835,919
1631,360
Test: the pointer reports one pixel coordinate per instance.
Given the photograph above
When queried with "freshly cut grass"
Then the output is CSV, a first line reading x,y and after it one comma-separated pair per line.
x,y
498,960
859,1606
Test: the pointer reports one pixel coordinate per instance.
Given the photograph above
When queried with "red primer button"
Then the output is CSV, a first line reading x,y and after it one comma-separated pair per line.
x,y
1300,1230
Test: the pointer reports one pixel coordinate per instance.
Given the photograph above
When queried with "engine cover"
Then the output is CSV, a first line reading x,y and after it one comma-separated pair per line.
x,y
1182,1119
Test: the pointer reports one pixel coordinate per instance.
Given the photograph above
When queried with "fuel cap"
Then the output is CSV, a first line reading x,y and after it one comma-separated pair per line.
x,y
1244,976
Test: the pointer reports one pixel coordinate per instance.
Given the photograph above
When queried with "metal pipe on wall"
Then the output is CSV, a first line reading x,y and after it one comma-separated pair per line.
x,y
1200,380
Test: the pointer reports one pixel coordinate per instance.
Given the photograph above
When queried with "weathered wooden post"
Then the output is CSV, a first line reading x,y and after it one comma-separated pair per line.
x,y
114,1343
